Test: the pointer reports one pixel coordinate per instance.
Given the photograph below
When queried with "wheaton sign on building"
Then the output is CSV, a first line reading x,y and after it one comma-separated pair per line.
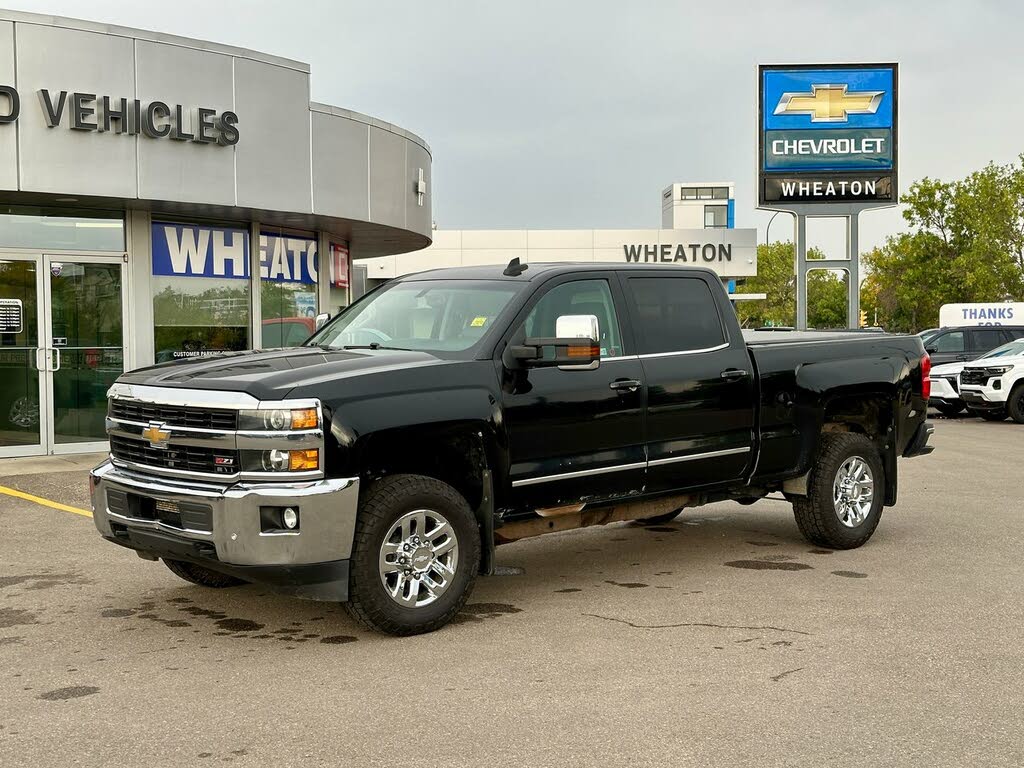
x,y
827,134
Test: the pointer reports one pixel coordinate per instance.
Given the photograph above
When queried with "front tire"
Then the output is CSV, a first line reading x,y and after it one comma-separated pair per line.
x,y
845,492
197,574
989,414
415,556
1015,405
949,409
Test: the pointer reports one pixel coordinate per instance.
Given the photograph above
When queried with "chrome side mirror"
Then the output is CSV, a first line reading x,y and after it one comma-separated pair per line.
x,y
581,327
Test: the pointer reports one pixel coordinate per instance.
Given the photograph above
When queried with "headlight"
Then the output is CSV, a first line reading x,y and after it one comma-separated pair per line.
x,y
278,419
998,370
276,460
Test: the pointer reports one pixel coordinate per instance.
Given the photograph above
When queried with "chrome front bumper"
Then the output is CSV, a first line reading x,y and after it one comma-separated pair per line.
x,y
327,518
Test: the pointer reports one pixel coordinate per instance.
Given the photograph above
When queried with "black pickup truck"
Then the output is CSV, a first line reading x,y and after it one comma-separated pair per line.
x,y
449,411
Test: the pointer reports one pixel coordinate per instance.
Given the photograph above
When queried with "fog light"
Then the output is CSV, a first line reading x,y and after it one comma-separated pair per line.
x,y
304,460
276,461
290,518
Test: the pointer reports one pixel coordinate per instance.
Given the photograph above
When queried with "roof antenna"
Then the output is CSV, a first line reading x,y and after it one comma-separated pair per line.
x,y
514,268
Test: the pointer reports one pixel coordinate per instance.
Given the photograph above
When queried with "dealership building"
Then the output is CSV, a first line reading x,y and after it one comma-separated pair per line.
x,y
163,198
697,229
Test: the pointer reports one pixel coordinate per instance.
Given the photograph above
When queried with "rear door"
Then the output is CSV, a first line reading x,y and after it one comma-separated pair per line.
x,y
700,390
948,347
982,340
575,434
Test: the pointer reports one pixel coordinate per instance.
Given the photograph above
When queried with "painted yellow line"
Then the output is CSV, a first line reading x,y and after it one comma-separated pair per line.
x,y
45,502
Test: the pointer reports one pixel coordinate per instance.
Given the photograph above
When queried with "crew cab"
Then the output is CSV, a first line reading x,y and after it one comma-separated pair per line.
x,y
993,386
450,411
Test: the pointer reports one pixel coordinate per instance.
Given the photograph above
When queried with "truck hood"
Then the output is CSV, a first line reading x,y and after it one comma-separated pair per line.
x,y
992,362
271,374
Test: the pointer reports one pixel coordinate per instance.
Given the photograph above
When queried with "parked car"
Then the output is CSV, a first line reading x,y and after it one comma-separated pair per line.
x,y
945,379
450,411
993,387
951,345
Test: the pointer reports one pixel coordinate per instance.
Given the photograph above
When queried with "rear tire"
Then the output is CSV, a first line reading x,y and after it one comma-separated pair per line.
x,y
404,580
197,574
1015,405
845,492
989,414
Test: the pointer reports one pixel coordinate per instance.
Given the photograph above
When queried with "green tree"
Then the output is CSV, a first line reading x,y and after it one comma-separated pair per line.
x,y
776,278
966,244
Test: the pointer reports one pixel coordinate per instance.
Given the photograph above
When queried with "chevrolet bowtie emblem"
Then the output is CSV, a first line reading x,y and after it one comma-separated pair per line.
x,y
156,434
829,103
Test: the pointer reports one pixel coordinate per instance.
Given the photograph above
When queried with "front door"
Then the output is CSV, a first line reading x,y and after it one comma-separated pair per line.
x,y
575,435
62,343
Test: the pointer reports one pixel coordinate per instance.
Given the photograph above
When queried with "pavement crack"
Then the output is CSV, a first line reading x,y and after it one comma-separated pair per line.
x,y
776,678
694,624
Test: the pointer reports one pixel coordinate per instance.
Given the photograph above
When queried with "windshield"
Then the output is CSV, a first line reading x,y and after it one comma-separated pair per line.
x,y
430,315
1012,349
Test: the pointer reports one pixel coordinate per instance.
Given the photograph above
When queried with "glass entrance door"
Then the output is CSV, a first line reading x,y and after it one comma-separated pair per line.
x,y
23,425
86,347
62,344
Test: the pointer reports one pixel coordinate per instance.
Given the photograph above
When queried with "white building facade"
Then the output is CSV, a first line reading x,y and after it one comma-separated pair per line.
x,y
684,239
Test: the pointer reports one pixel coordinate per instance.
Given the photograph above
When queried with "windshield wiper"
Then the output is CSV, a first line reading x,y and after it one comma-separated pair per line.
x,y
374,346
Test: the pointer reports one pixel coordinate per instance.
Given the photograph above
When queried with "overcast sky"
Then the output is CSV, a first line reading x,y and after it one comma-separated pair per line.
x,y
547,114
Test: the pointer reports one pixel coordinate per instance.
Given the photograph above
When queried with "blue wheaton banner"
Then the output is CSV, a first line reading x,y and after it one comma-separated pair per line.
x,y
288,258
185,250
827,133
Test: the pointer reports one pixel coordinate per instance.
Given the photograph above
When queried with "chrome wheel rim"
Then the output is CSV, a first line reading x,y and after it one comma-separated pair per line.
x,y
853,491
418,558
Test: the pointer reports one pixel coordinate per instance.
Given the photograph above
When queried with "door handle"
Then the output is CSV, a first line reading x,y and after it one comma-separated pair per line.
x,y
56,366
961,358
630,385
734,373
42,367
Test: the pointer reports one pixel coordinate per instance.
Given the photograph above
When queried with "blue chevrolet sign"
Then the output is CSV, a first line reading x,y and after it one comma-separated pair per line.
x,y
827,133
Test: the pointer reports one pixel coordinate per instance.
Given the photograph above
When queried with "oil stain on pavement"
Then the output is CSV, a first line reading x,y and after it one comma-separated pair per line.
x,y
72,692
768,565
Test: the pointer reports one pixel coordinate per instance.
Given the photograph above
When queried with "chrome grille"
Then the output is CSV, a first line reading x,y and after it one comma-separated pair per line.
x,y
175,415
187,458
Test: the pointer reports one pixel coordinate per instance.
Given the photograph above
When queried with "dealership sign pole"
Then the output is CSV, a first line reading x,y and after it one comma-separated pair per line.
x,y
827,147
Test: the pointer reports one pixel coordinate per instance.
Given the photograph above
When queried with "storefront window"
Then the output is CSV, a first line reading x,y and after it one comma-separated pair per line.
x,y
201,293
341,270
288,285
24,226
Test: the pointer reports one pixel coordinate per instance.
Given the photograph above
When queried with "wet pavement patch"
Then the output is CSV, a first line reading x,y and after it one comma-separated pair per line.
x,y
627,584
508,570
338,639
763,543
116,613
10,640
72,692
850,574
568,590
41,580
768,565
239,625
16,617
480,611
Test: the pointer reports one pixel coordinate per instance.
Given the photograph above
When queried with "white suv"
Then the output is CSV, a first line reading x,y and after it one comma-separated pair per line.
x,y
993,386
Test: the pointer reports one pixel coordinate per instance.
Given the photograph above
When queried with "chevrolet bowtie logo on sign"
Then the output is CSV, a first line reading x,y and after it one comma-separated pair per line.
x,y
156,434
827,134
829,103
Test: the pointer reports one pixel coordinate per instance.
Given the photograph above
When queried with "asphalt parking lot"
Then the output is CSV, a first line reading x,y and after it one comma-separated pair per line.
x,y
719,639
